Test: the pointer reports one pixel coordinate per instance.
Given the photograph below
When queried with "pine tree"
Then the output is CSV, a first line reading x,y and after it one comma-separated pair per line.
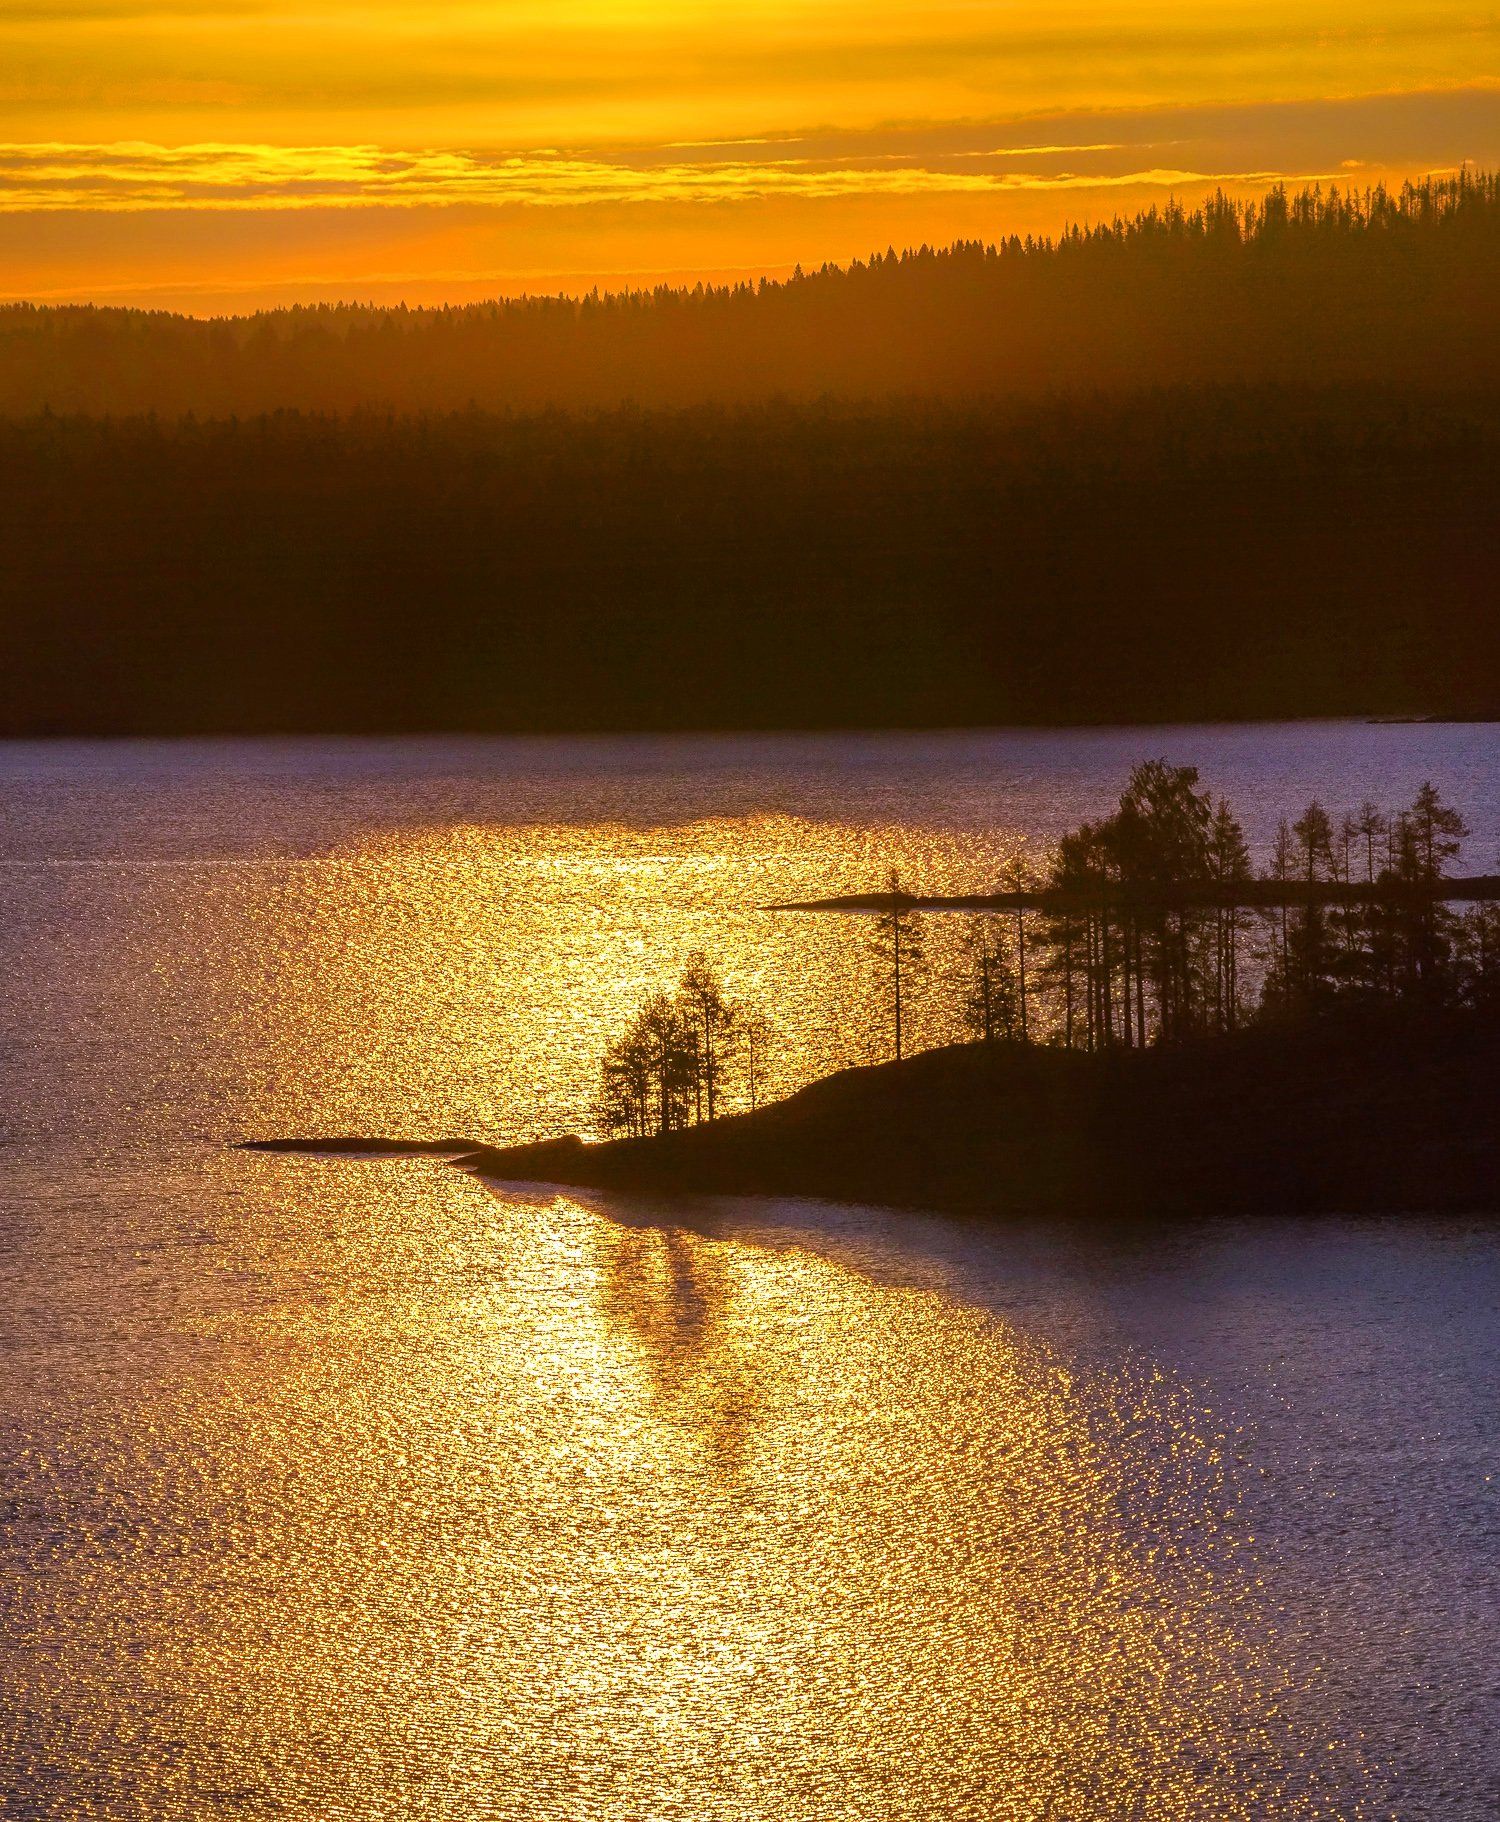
x,y
899,942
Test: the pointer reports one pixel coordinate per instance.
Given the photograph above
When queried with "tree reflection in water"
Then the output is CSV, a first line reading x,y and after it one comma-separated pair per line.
x,y
674,1293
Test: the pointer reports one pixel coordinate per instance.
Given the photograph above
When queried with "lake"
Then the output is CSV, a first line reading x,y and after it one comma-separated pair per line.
x,y
336,1488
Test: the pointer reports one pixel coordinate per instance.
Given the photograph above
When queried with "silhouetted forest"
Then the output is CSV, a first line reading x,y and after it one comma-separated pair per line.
x,y
1323,288
1141,929
1175,555
1228,463
1125,957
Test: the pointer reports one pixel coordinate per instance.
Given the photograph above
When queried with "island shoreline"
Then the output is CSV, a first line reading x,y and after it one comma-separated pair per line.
x,y
1376,1112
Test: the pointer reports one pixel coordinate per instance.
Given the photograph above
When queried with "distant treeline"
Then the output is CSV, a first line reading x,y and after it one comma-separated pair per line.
x,y
1176,554
1320,287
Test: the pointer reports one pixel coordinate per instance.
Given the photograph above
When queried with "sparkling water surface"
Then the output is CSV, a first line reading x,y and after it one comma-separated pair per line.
x,y
340,1488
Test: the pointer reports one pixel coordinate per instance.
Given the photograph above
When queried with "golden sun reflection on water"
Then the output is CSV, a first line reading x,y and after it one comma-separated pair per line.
x,y
342,1490
453,1503
467,979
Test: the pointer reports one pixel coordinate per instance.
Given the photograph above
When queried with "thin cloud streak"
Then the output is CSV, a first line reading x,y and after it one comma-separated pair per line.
x,y
132,175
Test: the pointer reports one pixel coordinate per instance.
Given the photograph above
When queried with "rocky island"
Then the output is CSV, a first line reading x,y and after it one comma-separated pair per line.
x,y
1380,1112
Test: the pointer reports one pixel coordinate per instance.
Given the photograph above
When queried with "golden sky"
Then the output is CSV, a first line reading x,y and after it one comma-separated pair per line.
x,y
218,154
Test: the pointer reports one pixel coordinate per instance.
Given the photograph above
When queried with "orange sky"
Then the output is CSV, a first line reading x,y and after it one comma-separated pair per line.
x,y
218,154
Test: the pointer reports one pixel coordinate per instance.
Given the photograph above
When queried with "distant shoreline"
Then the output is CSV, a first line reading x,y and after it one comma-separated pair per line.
x,y
762,730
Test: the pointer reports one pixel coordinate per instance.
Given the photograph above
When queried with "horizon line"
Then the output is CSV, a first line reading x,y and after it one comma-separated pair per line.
x,y
729,279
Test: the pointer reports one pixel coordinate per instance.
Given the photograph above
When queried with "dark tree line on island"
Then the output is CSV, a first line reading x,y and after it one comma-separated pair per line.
x,y
1145,939
1148,940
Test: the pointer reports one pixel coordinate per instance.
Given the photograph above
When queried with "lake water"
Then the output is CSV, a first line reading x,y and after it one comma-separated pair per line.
x,y
358,1489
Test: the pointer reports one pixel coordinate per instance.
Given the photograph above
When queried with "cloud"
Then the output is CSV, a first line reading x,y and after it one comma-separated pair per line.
x,y
687,72
133,175
1101,150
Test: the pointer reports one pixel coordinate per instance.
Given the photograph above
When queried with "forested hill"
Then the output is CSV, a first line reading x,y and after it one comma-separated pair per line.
x,y
1244,462
1171,555
1315,289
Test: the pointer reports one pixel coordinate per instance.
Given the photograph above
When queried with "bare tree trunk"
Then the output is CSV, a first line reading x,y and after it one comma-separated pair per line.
x,y
1106,983
1125,1014
896,956
1021,971
1140,986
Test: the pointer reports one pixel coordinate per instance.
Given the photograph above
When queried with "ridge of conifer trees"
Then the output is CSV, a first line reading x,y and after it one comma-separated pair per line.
x,y
1331,286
